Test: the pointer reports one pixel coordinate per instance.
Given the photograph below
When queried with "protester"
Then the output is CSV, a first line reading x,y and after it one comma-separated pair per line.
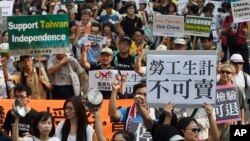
x,y
59,67
22,93
36,78
43,128
76,126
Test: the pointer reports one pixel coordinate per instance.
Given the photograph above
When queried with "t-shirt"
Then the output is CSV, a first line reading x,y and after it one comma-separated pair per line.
x,y
25,123
123,63
33,138
89,132
129,25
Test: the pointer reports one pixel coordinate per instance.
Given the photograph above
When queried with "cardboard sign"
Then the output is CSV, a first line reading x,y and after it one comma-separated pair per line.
x,y
38,34
227,104
241,11
183,77
198,26
168,25
6,8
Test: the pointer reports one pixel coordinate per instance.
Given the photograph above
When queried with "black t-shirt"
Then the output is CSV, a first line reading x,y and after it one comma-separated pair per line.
x,y
123,63
129,25
25,123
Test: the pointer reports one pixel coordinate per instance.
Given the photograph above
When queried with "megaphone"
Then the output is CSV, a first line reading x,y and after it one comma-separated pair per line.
x,y
18,108
94,99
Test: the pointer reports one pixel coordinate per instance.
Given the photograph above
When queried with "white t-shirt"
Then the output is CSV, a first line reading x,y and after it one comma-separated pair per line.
x,y
33,138
89,132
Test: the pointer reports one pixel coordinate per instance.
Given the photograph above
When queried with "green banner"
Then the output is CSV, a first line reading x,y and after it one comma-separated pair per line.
x,y
38,34
198,26
65,2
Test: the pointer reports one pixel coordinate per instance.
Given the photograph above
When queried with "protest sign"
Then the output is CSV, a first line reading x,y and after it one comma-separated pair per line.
x,y
7,8
198,26
182,77
65,2
168,25
241,11
227,104
102,79
38,34
97,42
133,78
140,132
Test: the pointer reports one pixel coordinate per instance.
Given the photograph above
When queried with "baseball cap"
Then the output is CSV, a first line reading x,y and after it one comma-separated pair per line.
x,y
236,58
107,50
22,57
4,48
162,47
180,41
126,38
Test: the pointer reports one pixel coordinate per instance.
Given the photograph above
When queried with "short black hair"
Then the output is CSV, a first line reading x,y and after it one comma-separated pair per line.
x,y
22,57
61,11
23,88
42,116
194,8
210,38
207,8
128,136
109,24
138,86
95,24
139,30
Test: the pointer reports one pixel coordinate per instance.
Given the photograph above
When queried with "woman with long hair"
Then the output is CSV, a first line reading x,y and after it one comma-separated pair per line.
x,y
76,126
43,128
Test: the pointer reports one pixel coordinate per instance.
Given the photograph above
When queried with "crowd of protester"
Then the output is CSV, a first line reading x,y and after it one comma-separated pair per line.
x,y
123,23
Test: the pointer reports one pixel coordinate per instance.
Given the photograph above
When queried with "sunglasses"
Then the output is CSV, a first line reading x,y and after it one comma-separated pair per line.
x,y
239,63
195,130
225,71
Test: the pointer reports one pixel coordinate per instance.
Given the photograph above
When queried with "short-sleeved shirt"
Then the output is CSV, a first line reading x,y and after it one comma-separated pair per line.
x,y
129,25
62,76
123,63
89,132
25,123
33,82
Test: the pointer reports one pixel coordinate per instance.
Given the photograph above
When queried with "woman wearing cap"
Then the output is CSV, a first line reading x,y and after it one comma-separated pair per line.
x,y
227,73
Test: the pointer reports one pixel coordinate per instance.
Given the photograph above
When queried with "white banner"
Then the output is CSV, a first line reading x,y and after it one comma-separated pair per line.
x,y
241,11
7,7
168,25
183,77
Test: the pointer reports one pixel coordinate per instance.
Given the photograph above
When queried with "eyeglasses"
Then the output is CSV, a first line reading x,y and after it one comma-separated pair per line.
x,y
195,130
20,97
225,71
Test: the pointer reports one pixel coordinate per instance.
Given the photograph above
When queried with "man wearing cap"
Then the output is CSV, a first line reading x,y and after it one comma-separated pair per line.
x,y
104,58
180,44
36,78
123,60
4,49
242,79
59,69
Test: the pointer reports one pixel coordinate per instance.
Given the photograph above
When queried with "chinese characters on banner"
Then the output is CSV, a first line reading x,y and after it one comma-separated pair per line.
x,y
102,79
227,101
140,132
182,77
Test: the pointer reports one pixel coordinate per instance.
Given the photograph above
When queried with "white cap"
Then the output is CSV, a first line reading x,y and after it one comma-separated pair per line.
x,y
162,47
236,58
180,41
4,48
107,50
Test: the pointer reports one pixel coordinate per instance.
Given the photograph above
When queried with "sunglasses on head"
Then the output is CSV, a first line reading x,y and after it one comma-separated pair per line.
x,y
195,130
225,71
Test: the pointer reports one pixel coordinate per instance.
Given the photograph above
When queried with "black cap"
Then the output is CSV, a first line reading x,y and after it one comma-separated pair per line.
x,y
126,38
22,57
